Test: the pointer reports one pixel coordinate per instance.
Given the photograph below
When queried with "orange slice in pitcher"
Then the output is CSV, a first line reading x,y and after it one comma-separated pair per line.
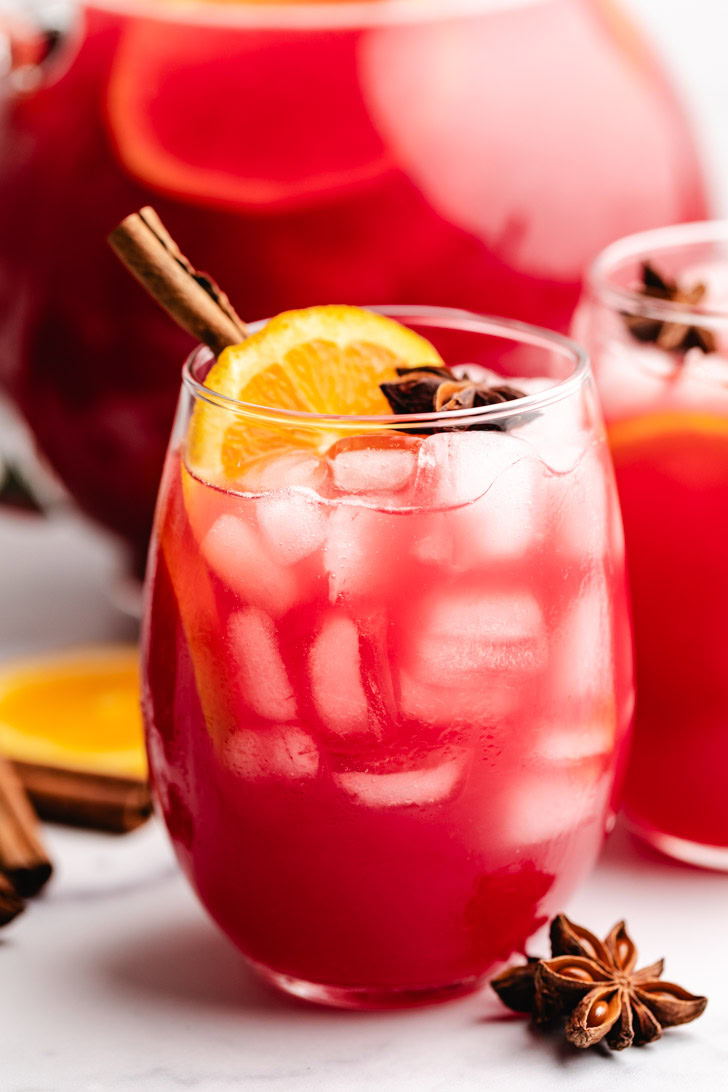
x,y
77,711
245,118
326,360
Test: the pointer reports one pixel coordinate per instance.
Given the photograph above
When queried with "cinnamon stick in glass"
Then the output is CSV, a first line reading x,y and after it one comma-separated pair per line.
x,y
191,298
23,857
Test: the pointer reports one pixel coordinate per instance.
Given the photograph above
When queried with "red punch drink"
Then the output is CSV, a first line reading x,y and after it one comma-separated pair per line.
x,y
319,137
656,322
387,658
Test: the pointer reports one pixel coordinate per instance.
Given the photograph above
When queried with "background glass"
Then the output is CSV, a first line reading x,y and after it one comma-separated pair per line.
x,y
667,416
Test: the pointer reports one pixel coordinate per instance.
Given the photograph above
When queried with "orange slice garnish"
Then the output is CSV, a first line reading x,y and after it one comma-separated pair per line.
x,y
77,710
324,360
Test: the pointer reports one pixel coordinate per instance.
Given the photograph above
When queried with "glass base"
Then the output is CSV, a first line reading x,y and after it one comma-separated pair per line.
x,y
358,997
694,853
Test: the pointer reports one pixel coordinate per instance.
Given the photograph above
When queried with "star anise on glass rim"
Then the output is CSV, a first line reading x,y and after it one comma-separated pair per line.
x,y
669,335
437,390
593,986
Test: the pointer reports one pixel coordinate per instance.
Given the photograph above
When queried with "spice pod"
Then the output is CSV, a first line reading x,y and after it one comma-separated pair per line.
x,y
594,988
670,336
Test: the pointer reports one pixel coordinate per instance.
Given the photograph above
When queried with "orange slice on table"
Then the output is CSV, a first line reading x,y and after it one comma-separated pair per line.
x,y
77,710
326,360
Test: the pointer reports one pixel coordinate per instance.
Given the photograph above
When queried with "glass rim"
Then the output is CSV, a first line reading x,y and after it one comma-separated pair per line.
x,y
647,244
310,15
512,329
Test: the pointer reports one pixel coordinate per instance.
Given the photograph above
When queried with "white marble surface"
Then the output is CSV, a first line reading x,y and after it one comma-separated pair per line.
x,y
116,980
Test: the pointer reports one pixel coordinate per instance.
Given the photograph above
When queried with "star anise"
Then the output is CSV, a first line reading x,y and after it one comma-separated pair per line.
x,y
669,335
434,390
594,987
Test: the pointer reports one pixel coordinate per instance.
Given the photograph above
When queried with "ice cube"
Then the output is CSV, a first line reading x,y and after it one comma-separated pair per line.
x,y
435,537
429,784
580,501
445,706
302,469
260,670
235,552
283,751
632,376
360,552
560,434
460,637
336,680
293,524
204,504
505,523
347,551
581,646
378,463
456,468
565,745
551,804
703,381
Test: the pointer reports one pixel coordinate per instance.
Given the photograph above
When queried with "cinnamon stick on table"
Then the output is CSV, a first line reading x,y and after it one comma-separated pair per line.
x,y
11,903
191,298
23,858
85,799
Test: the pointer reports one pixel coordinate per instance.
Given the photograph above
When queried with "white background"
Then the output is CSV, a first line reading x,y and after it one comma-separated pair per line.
x,y
692,37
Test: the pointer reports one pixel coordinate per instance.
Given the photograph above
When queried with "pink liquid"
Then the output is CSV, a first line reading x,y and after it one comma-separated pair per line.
x,y
677,782
474,161
384,733
667,417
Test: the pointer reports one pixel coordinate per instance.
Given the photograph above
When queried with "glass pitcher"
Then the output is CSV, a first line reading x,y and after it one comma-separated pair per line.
x,y
466,152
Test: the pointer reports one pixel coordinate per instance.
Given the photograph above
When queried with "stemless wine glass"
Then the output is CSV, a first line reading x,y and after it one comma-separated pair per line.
x,y
387,675
655,318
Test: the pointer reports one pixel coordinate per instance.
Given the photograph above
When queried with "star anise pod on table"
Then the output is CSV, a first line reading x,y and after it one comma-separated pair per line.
x,y
593,986
436,390
669,335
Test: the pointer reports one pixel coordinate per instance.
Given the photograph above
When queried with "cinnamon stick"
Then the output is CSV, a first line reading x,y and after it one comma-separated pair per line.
x,y
192,299
85,799
11,903
23,858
